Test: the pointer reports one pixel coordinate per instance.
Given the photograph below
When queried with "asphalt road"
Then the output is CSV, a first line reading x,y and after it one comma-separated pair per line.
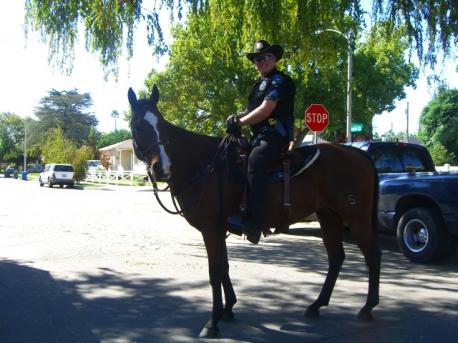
x,y
110,266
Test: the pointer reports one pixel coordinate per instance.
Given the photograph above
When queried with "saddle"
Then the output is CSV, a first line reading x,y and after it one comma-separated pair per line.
x,y
291,164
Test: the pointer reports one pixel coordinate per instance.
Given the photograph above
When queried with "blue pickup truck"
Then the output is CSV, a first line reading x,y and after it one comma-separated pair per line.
x,y
416,203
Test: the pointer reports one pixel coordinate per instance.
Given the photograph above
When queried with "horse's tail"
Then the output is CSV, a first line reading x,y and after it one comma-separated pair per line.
x,y
375,225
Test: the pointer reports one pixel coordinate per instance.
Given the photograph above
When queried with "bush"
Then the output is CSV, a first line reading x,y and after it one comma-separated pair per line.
x,y
79,162
58,149
440,154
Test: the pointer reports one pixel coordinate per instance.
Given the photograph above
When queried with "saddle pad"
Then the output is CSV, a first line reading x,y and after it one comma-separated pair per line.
x,y
301,159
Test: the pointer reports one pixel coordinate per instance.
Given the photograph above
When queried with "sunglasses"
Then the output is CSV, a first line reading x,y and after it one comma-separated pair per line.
x,y
263,58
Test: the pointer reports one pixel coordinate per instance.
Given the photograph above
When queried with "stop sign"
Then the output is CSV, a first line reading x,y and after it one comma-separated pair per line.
x,y
316,117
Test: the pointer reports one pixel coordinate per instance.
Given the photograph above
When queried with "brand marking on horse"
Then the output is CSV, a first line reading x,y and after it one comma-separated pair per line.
x,y
351,199
166,163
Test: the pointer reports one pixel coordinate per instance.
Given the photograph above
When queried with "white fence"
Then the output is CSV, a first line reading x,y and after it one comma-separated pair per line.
x,y
115,177
447,168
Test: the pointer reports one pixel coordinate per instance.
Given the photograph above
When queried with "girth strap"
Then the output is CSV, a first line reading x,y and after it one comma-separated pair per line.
x,y
286,188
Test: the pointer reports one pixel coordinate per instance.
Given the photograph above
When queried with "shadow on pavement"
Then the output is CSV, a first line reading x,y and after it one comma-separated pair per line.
x,y
121,307
34,309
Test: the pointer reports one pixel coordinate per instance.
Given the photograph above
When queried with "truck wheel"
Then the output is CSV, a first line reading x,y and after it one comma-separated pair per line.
x,y
49,183
422,236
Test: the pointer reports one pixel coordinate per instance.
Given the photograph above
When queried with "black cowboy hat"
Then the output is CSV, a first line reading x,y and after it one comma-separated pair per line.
x,y
262,47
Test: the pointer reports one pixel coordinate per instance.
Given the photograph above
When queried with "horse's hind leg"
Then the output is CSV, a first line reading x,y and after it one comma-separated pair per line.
x,y
331,230
372,255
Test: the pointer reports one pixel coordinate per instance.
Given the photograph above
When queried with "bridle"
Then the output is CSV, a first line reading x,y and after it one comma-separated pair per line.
x,y
207,169
142,155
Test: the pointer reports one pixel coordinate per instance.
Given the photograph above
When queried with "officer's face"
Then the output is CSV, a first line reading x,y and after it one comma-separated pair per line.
x,y
265,63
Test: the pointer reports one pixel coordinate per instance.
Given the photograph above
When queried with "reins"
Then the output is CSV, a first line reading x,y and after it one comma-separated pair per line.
x,y
156,191
209,168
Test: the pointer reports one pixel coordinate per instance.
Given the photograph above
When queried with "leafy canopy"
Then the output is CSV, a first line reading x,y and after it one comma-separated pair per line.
x,y
11,136
199,88
66,110
432,25
439,125
113,137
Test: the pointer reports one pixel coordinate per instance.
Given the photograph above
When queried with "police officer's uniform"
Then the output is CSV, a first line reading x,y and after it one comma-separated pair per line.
x,y
270,137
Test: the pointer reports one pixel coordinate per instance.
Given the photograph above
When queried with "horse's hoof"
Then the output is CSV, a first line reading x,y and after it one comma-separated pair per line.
x,y
364,315
228,315
312,312
212,332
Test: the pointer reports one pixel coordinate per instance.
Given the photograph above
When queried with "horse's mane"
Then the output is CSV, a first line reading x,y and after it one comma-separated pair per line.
x,y
193,149
197,138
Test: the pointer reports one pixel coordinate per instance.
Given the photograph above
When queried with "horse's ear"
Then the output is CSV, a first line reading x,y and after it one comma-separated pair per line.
x,y
154,95
132,97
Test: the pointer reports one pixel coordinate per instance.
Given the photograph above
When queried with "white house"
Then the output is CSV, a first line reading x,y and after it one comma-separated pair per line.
x,y
122,157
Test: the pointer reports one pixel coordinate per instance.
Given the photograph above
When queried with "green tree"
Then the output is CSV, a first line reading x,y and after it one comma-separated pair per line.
x,y
65,110
391,136
113,137
380,74
115,116
57,148
11,137
78,161
199,88
439,124
110,23
441,155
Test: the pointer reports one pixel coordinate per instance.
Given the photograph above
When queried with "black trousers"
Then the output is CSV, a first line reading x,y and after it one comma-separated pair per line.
x,y
266,149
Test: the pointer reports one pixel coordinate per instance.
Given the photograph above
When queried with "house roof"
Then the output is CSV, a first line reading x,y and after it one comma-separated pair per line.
x,y
124,145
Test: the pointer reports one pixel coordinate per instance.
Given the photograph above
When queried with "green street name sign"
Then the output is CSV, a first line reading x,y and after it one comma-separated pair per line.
x,y
357,127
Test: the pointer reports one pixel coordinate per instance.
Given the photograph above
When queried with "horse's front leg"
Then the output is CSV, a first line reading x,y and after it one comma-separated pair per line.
x,y
215,245
229,292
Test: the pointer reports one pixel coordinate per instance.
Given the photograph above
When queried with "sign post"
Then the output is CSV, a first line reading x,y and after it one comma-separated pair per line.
x,y
316,118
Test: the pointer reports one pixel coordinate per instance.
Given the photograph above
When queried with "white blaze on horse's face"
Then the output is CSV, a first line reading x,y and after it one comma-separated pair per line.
x,y
165,160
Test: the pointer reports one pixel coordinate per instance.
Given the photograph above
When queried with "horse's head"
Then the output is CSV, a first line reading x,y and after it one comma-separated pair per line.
x,y
149,135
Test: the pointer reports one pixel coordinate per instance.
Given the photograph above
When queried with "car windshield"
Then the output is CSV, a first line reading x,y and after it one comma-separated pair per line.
x,y
62,168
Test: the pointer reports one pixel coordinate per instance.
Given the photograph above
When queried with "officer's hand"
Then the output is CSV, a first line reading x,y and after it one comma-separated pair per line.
x,y
232,125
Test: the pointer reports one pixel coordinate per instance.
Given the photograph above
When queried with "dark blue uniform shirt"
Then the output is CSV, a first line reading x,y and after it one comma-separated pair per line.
x,y
279,87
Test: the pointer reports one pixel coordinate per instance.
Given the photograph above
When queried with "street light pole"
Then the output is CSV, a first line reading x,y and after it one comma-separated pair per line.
x,y
349,76
349,91
25,148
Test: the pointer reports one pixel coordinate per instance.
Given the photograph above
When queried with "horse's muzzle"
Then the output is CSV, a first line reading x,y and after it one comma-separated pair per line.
x,y
160,174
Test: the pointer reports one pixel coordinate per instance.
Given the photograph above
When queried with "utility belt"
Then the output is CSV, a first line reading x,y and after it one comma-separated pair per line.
x,y
272,125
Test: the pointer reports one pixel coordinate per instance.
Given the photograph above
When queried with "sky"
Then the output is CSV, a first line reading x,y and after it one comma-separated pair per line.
x,y
26,77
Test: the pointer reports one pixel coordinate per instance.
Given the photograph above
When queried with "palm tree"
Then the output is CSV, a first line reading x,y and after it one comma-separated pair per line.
x,y
115,115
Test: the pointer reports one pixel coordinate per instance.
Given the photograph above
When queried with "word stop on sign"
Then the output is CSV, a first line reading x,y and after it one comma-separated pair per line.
x,y
318,118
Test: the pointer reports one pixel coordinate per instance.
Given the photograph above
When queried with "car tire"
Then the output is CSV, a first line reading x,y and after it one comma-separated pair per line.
x,y
40,182
50,183
422,236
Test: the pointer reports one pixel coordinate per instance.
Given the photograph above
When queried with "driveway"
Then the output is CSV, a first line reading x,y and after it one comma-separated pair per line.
x,y
109,265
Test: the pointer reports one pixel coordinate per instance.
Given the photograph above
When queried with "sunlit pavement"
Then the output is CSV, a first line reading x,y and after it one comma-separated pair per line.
x,y
109,265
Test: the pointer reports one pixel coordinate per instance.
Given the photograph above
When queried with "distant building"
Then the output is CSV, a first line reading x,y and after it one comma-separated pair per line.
x,y
122,157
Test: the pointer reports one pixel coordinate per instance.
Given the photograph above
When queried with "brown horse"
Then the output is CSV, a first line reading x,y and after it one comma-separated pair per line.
x,y
341,187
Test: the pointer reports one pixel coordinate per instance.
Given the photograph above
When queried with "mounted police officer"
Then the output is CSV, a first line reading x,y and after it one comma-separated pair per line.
x,y
270,116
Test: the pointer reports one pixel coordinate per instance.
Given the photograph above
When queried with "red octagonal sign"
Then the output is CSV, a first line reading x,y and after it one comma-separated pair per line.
x,y
316,117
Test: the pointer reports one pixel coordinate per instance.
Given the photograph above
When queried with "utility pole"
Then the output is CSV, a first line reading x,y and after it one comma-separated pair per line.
x,y
25,149
407,122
